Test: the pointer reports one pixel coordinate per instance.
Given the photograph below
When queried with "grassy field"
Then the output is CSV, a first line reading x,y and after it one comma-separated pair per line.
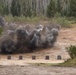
x,y
63,21
68,63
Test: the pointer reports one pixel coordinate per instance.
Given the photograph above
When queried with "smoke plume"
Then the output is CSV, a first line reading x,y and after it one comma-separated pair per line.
x,y
25,38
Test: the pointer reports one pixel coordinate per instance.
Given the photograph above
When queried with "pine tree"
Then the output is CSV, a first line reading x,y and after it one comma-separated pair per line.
x,y
72,7
51,9
6,10
1,7
58,6
16,8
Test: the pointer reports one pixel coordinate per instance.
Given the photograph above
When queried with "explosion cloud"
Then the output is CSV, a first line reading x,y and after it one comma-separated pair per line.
x,y
22,39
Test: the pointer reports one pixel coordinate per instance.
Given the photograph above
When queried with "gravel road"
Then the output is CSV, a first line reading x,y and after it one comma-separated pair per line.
x,y
36,70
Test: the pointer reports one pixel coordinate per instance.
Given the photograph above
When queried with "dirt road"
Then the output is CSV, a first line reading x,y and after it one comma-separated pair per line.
x,y
36,70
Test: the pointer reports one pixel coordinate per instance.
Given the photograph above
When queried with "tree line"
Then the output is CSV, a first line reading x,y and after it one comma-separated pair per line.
x,y
31,8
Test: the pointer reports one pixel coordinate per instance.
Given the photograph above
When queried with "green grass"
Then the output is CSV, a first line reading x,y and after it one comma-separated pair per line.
x,y
41,64
63,21
68,63
23,19
1,30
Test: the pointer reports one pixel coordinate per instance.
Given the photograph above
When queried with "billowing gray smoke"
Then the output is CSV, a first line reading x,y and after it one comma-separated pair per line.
x,y
26,38
7,46
2,22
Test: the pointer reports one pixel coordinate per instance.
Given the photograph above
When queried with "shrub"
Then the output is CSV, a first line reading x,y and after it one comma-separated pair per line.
x,y
72,51
1,30
63,21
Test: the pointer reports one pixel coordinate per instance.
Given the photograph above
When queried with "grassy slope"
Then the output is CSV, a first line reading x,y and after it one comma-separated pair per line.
x,y
68,63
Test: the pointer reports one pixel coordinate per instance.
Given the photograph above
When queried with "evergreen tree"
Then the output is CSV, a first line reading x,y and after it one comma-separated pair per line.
x,y
23,8
1,7
51,9
72,8
27,10
6,10
58,6
16,8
